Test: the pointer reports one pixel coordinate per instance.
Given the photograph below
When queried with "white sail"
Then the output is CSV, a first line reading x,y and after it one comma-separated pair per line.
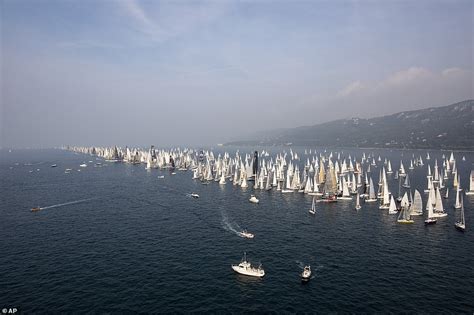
x,y
471,184
386,196
357,202
430,211
313,207
405,203
372,196
438,208
461,224
222,180
393,207
345,188
457,204
417,205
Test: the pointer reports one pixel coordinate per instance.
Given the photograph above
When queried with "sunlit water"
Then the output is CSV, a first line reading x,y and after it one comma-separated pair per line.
x,y
119,239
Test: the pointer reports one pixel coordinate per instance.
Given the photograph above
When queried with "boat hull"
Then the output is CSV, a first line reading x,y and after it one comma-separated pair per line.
x,y
406,221
250,273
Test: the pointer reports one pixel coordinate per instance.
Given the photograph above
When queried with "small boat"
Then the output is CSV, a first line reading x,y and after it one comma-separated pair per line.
x,y
254,199
83,165
246,234
35,209
161,176
313,207
194,195
306,274
54,165
246,268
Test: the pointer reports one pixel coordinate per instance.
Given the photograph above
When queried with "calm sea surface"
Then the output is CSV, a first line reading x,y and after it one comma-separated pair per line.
x,y
119,239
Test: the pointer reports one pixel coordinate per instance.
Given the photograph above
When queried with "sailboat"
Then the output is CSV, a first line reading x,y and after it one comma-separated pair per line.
x,y
386,196
401,171
457,204
406,184
288,184
389,168
330,186
438,208
357,206
417,205
471,184
405,215
430,219
372,197
393,207
313,207
461,224
345,191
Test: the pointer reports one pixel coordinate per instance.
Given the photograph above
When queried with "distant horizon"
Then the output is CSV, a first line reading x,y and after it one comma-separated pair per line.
x,y
217,144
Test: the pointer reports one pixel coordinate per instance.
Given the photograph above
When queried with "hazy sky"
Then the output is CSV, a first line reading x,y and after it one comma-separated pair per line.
x,y
189,72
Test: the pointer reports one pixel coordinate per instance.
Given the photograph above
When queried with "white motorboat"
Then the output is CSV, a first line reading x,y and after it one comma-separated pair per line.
x,y
253,199
246,268
83,165
306,274
246,234
194,195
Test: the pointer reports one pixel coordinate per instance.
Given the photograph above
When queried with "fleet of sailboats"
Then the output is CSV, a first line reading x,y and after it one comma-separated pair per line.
x,y
327,176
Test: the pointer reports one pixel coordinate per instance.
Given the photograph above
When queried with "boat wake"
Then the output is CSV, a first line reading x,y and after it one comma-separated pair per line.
x,y
231,227
300,264
66,203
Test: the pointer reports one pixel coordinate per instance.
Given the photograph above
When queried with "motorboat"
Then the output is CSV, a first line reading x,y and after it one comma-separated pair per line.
x,y
35,209
246,268
246,234
306,274
83,165
194,195
253,199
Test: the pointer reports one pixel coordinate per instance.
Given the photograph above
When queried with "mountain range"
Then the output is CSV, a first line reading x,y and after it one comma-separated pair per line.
x,y
446,127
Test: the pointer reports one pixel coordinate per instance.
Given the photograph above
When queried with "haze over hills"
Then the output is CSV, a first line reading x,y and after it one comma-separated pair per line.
x,y
446,127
